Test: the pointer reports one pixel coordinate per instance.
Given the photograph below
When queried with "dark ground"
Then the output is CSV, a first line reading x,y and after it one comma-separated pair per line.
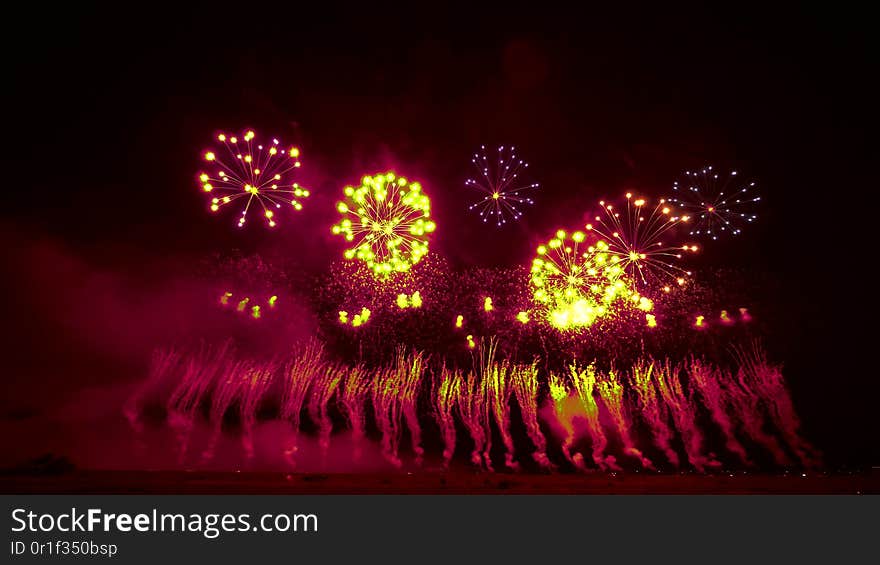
x,y
172,482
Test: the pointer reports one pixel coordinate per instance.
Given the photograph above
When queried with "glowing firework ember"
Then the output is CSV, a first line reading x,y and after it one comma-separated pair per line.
x,y
503,193
635,237
387,221
576,283
253,174
718,206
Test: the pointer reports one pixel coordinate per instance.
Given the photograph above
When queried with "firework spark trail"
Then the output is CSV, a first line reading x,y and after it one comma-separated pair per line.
x,y
559,394
524,382
395,395
652,410
323,388
496,391
496,385
767,381
352,396
741,399
298,375
410,370
386,410
183,403
471,403
584,381
232,380
682,408
748,401
444,395
256,384
164,363
708,380
611,392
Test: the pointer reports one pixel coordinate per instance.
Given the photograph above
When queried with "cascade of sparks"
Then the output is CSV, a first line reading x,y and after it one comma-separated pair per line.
x,y
718,206
584,381
352,400
653,411
748,402
496,379
387,221
444,396
679,401
248,172
502,192
226,391
473,411
709,381
297,375
201,371
635,237
559,396
524,381
256,385
611,392
323,389
394,397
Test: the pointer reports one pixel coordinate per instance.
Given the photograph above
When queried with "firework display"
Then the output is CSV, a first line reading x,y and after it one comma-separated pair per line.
x,y
575,282
747,404
400,331
503,193
719,204
252,174
387,221
271,254
638,239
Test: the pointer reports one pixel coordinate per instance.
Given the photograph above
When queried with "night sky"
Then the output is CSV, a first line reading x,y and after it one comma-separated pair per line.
x,y
108,110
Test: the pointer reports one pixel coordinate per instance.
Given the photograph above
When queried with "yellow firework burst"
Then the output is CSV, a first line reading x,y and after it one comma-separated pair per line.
x,y
387,219
251,173
575,282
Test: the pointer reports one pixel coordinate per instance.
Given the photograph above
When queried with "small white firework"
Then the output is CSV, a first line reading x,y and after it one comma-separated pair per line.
x,y
503,193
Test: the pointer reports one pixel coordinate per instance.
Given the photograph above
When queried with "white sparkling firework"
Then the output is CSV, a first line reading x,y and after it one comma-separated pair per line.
x,y
718,204
503,193
248,173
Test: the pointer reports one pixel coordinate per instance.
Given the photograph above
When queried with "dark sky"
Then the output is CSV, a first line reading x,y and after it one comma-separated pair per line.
x,y
120,103
107,111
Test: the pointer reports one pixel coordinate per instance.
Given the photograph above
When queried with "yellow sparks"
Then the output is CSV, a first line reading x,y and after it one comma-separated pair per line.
x,y
257,177
574,283
387,222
